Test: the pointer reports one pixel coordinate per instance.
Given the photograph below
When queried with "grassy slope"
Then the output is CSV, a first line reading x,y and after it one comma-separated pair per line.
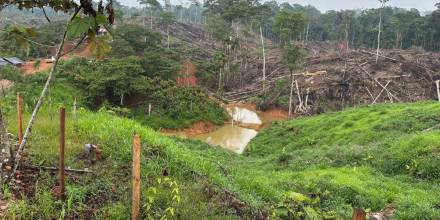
x,y
368,157
107,193
378,162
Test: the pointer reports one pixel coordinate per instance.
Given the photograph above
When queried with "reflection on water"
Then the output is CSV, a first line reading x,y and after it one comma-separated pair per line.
x,y
233,137
243,115
230,137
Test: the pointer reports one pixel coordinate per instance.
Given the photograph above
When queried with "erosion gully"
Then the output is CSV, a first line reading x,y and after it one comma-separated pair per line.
x,y
235,134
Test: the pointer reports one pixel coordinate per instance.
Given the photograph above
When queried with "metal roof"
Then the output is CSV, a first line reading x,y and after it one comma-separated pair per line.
x,y
14,60
3,62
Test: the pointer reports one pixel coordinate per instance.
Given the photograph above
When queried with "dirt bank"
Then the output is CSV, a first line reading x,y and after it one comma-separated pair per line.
x,y
267,116
274,114
29,67
197,128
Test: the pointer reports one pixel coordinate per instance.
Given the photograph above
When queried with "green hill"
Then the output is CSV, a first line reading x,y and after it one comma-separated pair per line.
x,y
369,157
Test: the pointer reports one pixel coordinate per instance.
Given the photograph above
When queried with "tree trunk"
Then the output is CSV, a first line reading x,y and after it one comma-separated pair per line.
x,y
168,37
307,32
151,18
220,80
143,20
41,98
378,35
291,95
264,63
401,41
299,95
437,83
346,37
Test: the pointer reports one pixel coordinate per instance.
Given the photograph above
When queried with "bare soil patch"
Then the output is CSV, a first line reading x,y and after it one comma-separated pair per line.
x,y
197,128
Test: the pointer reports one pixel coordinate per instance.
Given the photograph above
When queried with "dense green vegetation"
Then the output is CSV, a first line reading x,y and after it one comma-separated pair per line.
x,y
401,28
139,73
127,91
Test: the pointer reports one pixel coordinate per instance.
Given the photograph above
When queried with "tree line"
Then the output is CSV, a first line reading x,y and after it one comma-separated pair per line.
x,y
401,28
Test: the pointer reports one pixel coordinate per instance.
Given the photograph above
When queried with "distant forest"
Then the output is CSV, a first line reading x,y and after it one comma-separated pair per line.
x,y
401,28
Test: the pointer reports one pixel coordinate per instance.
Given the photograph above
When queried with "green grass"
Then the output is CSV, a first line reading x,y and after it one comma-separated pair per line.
x,y
360,125
106,193
369,157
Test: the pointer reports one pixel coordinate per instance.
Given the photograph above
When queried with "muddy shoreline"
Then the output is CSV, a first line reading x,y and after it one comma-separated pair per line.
x,y
236,133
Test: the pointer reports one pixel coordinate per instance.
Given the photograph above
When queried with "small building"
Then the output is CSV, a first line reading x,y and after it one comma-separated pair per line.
x,y
14,61
3,62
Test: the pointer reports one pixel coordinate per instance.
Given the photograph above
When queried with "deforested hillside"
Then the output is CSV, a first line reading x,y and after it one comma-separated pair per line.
x,y
334,78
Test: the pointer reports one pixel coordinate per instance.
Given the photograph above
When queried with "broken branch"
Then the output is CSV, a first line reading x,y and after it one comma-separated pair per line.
x,y
32,167
380,84
380,93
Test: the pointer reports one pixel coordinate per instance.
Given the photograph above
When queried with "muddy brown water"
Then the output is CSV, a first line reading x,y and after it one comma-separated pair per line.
x,y
235,135
245,124
231,137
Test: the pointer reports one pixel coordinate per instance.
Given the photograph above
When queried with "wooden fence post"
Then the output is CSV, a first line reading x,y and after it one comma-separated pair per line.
x,y
62,145
136,193
437,83
19,119
359,214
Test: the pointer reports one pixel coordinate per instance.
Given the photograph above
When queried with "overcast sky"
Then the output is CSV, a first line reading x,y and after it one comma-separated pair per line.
x,y
324,5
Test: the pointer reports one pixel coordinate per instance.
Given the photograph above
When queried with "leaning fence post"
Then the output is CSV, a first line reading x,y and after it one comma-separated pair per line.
x,y
136,193
19,119
62,145
359,214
